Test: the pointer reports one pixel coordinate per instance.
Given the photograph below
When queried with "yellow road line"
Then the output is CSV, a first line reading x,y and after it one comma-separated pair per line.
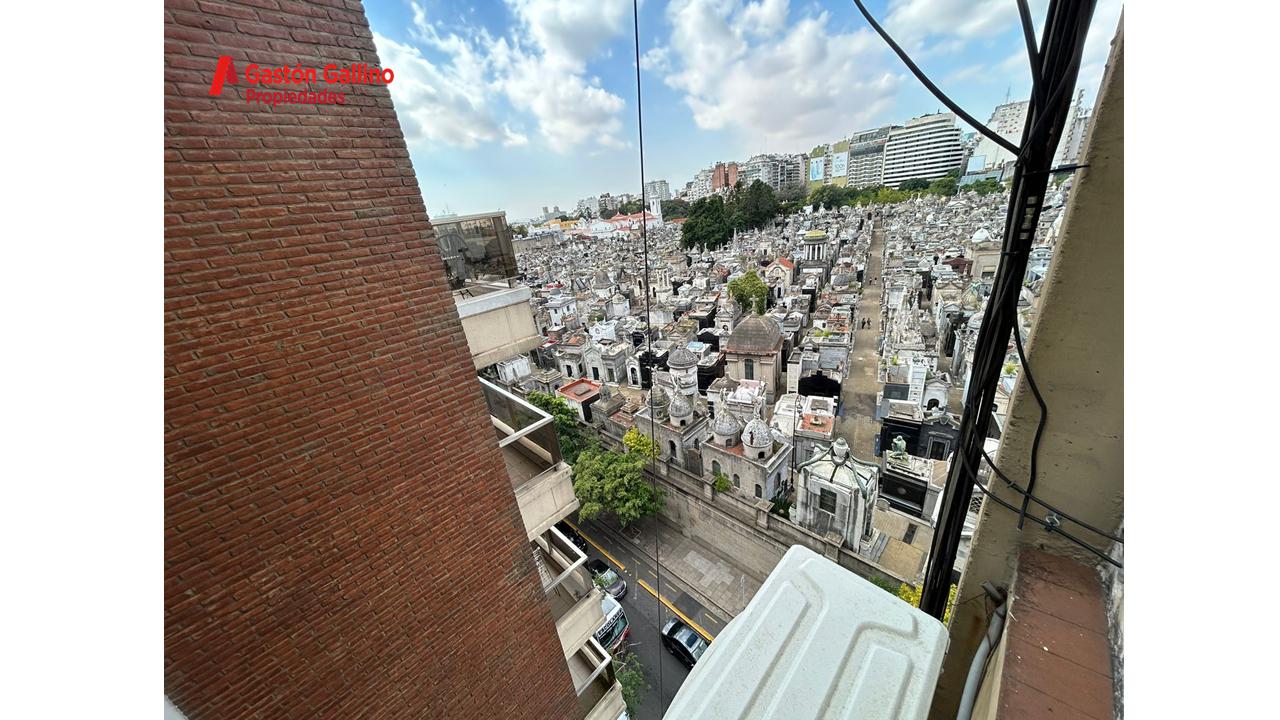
x,y
688,621
595,545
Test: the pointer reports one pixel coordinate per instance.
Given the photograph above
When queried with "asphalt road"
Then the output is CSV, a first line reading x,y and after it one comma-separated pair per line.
x,y
646,615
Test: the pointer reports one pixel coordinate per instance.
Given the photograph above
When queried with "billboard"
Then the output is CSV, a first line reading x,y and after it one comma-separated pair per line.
x,y
840,164
815,168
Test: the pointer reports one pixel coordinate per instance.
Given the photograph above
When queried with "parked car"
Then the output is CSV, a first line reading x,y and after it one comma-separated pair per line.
x,y
573,535
681,641
607,578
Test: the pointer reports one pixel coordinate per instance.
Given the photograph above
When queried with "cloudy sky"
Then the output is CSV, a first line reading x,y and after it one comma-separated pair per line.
x,y
518,104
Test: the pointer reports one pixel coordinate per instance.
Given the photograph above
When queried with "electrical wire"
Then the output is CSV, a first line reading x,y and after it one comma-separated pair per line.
x,y
972,121
1057,61
1019,489
1033,52
648,326
1047,524
1044,418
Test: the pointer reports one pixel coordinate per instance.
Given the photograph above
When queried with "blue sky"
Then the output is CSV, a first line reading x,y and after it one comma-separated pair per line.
x,y
519,104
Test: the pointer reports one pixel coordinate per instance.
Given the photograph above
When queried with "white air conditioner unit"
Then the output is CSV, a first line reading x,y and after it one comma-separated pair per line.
x,y
817,641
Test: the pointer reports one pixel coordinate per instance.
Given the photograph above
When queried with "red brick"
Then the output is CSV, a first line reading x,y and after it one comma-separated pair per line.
x,y
314,493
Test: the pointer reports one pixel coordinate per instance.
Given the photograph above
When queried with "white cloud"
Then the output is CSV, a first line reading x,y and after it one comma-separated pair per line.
x,y
911,21
740,67
571,32
656,59
540,70
440,103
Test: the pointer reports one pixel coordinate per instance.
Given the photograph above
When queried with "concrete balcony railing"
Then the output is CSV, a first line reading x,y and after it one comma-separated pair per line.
x,y
497,320
527,438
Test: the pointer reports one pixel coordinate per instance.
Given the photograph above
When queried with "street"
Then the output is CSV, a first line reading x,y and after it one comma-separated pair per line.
x,y
646,614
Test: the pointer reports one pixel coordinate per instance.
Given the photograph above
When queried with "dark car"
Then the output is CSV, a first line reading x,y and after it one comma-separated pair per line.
x,y
681,641
607,578
573,535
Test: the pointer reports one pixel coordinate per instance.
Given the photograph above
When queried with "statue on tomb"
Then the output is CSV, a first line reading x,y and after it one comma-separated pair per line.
x,y
898,455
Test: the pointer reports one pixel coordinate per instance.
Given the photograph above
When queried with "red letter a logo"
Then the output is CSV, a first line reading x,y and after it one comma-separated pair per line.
x,y
225,71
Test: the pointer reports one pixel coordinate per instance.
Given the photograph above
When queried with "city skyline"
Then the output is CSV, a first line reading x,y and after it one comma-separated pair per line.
x,y
488,129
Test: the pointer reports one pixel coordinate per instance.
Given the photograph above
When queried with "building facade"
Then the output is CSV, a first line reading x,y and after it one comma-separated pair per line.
x,y
1007,121
927,147
338,515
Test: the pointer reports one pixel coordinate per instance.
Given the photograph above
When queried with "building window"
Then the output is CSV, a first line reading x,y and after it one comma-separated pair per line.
x,y
736,482
715,468
910,534
749,370
634,380
568,371
826,501
938,450
671,447
612,378
759,491
595,373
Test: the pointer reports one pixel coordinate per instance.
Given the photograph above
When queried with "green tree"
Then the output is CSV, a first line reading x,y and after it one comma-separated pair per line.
x,y
520,230
631,677
640,444
673,209
708,224
752,207
750,292
943,186
720,482
607,213
792,193
606,481
567,430
631,207
913,184
987,186
827,196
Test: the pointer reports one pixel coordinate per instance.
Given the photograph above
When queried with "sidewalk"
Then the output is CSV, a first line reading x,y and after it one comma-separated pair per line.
x,y
856,422
690,567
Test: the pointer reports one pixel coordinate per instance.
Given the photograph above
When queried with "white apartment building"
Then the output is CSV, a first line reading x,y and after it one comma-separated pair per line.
x,y
866,157
927,147
657,189
591,204
701,185
776,171
1073,133
1007,121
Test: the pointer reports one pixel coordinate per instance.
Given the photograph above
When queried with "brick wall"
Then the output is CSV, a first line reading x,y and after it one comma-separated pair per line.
x,y
341,538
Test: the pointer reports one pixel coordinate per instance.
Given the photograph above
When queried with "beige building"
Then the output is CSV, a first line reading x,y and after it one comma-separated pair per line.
x,y
754,352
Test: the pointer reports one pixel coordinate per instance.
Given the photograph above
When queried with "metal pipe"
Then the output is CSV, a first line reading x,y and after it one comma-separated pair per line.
x,y
977,668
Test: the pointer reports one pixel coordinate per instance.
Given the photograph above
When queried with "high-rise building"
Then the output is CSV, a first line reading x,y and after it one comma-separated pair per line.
x,y
927,147
589,205
724,176
1073,133
1007,121
657,189
700,186
866,157
348,529
777,171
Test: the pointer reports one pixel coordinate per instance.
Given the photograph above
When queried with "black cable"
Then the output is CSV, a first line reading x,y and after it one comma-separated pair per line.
x,y
1019,489
1044,418
1033,52
1046,524
1058,61
983,129
648,329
